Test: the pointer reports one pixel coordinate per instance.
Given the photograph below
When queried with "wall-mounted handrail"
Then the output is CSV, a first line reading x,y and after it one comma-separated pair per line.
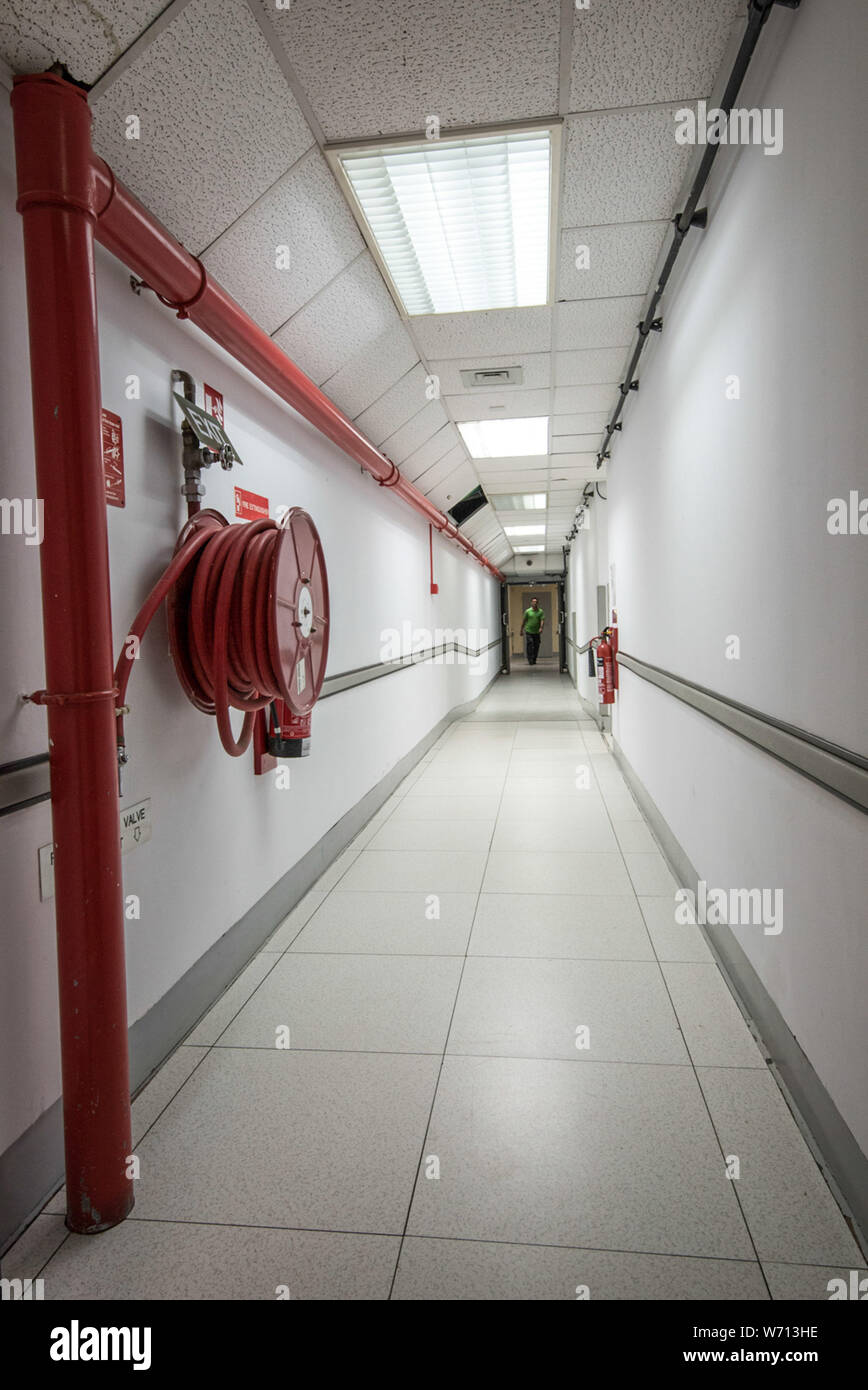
x,y
837,769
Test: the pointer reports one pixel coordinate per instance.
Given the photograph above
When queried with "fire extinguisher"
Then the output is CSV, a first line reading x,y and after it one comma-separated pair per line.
x,y
287,734
606,668
613,639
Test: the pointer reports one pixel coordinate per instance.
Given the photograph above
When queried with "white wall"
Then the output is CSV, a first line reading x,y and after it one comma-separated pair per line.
x,y
221,837
588,568
718,513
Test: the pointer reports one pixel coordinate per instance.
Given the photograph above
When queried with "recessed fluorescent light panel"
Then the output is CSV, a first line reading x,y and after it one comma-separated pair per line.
x,y
458,224
503,439
519,501
524,530
528,549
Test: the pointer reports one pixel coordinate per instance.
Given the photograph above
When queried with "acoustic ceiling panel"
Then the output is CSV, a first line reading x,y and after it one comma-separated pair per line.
x,y
35,34
622,166
427,421
200,161
395,407
480,335
347,314
291,243
372,370
631,54
509,404
597,323
600,261
372,67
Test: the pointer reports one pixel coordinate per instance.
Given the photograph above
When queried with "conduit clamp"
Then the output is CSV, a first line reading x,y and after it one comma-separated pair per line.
x,y
82,697
393,477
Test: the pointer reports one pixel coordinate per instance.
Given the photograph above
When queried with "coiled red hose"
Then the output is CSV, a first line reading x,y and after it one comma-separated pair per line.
x,y
237,619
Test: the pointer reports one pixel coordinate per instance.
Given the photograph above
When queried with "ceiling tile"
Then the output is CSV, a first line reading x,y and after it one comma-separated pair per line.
x,y
303,212
573,465
659,50
579,424
580,400
587,367
350,312
432,450
218,123
441,470
536,369
41,32
373,67
577,443
620,259
597,323
372,371
510,404
481,334
395,407
451,490
407,439
622,166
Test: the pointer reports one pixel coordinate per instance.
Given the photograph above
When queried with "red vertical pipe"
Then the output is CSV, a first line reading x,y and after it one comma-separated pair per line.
x,y
56,199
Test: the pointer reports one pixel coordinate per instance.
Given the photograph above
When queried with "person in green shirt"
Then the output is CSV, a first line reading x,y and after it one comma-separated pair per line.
x,y
532,625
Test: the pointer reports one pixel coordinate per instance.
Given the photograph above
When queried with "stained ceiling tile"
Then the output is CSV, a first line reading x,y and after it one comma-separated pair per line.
x,y
622,166
372,67
597,323
291,243
485,333
372,370
600,261
350,312
659,50
536,372
218,122
588,367
510,404
395,407
38,33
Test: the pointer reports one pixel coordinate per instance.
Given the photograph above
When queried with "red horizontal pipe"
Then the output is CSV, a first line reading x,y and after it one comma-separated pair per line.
x,y
131,233
55,198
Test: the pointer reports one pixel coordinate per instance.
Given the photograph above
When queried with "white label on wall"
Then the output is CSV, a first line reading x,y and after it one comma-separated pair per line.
x,y
135,828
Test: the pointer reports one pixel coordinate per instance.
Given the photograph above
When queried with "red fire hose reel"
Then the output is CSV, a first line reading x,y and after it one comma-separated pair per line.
x,y
248,611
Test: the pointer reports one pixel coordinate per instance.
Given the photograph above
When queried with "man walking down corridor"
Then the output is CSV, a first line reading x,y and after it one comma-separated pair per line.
x,y
532,625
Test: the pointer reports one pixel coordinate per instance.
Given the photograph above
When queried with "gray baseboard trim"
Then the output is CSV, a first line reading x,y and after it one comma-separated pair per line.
x,y
31,1169
830,1139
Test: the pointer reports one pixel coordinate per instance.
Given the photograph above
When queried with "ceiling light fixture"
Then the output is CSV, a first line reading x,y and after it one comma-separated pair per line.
x,y
499,439
457,224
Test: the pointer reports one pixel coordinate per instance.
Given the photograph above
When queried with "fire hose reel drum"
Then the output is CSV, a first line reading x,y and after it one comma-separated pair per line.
x,y
249,620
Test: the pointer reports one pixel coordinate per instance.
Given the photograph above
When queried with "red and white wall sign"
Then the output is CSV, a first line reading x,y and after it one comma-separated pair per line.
x,y
214,403
113,458
249,506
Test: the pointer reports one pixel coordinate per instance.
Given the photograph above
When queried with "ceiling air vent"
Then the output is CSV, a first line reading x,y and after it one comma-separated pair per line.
x,y
493,377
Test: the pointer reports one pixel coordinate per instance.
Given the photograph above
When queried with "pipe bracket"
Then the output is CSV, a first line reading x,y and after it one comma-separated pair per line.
x,y
81,697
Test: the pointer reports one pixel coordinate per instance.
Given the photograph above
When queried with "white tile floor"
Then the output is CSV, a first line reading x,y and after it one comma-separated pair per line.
x,y
510,1071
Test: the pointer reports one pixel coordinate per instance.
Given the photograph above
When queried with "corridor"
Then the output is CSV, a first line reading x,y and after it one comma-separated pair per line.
x,y
506,1073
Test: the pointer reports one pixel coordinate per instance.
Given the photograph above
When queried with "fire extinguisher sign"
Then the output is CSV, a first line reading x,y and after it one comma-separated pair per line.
x,y
249,506
113,458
